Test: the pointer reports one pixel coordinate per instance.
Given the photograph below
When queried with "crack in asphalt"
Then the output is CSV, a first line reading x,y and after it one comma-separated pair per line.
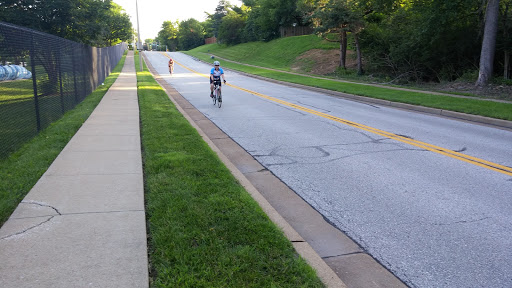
x,y
461,149
317,108
286,107
462,221
344,254
294,159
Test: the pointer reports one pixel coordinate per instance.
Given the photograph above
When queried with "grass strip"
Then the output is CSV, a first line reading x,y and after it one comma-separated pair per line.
x,y
491,109
205,229
21,170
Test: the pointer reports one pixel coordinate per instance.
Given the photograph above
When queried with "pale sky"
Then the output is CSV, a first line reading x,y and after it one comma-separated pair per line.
x,y
152,13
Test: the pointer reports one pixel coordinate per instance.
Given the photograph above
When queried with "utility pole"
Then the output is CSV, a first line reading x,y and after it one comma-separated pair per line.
x,y
139,44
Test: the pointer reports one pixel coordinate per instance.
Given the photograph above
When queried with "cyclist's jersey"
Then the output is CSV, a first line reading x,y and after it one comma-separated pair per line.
x,y
216,73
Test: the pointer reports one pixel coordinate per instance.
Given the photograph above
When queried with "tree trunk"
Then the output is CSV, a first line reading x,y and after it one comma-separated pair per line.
x,y
359,56
506,66
343,49
488,43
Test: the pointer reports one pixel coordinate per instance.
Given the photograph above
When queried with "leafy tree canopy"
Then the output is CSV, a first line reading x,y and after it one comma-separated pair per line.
x,y
92,22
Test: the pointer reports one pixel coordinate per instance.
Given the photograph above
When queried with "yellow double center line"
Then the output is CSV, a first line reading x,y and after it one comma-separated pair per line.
x,y
443,151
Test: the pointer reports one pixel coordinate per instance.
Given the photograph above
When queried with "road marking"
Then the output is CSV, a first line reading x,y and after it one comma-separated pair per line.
x,y
440,150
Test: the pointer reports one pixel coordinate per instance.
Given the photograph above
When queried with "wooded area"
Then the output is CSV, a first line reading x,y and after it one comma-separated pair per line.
x,y
412,39
415,40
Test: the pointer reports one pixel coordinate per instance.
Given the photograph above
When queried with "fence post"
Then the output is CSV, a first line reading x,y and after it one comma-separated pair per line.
x,y
74,76
59,60
86,69
34,84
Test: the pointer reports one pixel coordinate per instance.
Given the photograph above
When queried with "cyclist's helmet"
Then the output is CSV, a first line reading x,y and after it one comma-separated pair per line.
x,y
216,63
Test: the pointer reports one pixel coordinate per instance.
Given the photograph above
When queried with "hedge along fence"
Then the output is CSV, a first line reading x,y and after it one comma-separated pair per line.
x,y
51,76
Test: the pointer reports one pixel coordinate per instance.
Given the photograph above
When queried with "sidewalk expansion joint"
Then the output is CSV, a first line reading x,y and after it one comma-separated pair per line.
x,y
94,174
26,230
79,213
102,212
108,150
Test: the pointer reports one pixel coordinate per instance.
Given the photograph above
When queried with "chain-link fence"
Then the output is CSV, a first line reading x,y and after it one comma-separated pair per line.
x,y
41,77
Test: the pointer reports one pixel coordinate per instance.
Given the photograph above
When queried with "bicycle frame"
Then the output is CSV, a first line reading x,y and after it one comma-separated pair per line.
x,y
217,94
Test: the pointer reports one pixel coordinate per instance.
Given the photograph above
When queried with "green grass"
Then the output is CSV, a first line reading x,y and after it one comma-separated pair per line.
x,y
19,89
205,230
281,58
20,171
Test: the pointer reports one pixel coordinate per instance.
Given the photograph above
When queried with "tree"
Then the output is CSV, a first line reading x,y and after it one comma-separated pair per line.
x,y
230,30
190,34
488,43
92,22
51,16
168,35
215,19
422,40
338,17
507,39
266,16
119,27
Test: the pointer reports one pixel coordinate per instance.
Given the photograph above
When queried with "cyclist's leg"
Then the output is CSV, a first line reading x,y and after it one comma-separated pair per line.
x,y
211,88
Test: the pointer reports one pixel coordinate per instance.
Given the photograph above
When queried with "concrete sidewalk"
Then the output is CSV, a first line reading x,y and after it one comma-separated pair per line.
x,y
83,223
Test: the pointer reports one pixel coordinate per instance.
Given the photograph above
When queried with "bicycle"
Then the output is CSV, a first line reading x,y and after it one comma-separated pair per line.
x,y
217,95
171,68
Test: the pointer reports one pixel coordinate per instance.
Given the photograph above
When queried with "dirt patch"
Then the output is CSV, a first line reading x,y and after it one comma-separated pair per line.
x,y
321,62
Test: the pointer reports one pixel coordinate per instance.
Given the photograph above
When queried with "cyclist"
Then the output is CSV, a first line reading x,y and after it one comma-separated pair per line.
x,y
171,66
215,74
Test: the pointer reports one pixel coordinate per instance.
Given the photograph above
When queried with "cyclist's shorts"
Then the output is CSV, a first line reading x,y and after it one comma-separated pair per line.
x,y
216,80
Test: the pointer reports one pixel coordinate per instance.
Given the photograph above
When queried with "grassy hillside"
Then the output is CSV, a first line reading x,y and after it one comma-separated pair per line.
x,y
276,54
281,53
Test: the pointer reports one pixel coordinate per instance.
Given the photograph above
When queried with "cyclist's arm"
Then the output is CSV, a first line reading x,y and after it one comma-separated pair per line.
x,y
222,74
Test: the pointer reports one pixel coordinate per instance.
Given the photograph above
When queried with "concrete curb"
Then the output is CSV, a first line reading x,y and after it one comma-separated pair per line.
x,y
497,123
324,272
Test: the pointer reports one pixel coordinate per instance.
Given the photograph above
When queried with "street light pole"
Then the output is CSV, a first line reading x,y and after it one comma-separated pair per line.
x,y
139,45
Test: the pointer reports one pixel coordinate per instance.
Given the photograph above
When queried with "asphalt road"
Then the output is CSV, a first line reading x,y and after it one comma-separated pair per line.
x,y
432,219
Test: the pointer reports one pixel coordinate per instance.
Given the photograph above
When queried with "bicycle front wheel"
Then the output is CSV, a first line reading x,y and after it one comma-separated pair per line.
x,y
219,100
